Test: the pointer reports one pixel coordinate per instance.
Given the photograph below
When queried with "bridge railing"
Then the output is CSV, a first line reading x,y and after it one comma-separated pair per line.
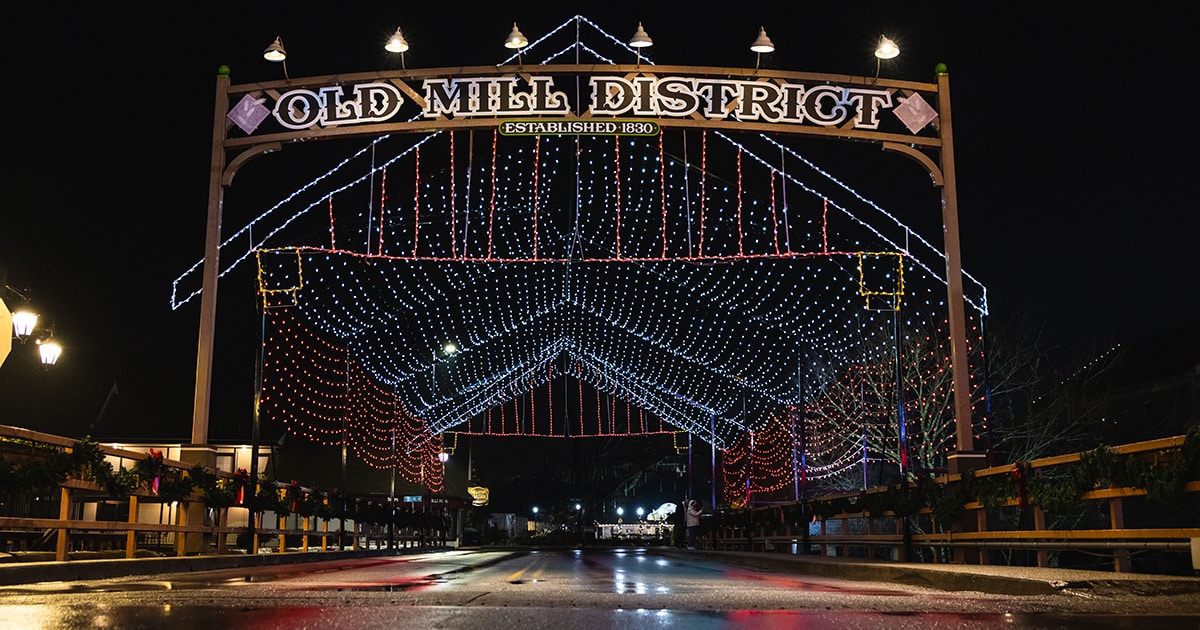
x,y
1130,508
58,503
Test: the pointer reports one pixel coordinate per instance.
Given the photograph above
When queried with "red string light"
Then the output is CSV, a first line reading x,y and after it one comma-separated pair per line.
x,y
634,241
537,146
825,225
492,203
332,239
617,182
741,252
774,217
662,190
703,195
453,203
417,201
382,208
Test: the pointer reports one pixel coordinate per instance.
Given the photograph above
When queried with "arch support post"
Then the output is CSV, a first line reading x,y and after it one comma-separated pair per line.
x,y
964,457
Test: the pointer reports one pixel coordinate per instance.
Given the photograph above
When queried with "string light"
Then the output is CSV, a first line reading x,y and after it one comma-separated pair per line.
x,y
586,270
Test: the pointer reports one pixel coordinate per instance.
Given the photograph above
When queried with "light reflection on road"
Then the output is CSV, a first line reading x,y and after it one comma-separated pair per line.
x,y
572,589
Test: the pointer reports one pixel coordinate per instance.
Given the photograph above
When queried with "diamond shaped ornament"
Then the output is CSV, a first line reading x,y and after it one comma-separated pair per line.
x,y
914,112
249,113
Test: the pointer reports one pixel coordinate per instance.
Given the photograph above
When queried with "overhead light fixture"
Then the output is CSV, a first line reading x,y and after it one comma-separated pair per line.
x,y
396,43
515,39
23,323
50,352
275,51
639,41
887,48
761,45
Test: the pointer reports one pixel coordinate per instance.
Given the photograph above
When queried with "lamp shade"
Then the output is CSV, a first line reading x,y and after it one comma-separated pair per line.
x,y
887,48
275,51
23,323
516,39
396,43
763,44
640,39
50,352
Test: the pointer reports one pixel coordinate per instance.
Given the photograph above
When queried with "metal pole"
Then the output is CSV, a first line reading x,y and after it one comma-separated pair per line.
x,y
691,489
901,419
712,428
795,462
865,458
749,453
392,496
795,441
345,416
255,430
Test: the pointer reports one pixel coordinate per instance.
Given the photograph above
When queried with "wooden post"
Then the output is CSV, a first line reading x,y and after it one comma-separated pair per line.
x,y
981,526
181,538
1116,517
64,512
1039,524
255,522
304,537
325,531
282,535
131,535
222,522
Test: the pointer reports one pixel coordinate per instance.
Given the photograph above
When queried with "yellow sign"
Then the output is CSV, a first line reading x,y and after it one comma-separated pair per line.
x,y
6,327
479,495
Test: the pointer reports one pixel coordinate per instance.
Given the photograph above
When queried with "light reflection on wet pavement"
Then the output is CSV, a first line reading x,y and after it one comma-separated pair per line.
x,y
334,618
552,589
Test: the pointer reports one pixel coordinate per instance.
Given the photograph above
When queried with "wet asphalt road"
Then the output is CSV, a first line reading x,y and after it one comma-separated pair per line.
x,y
574,589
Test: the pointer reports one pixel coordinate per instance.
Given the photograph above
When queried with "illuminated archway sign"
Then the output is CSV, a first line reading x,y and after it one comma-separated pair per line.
x,y
616,100
624,100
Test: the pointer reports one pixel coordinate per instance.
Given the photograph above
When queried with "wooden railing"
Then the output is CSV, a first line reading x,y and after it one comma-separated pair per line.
x,y
80,524
1015,531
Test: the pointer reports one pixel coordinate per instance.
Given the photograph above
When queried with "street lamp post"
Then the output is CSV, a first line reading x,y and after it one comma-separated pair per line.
x,y
579,509
24,326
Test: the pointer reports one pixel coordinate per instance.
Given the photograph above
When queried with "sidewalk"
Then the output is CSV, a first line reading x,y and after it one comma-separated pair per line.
x,y
12,573
1004,580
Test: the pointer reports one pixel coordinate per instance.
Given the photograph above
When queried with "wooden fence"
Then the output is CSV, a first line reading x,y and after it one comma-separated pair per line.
x,y
80,517
1110,521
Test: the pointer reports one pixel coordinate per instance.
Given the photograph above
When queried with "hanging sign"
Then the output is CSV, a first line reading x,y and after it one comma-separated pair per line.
x,y
607,104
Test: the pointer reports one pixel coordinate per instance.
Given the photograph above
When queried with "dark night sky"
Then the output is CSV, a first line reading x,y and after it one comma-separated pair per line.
x,y
1073,142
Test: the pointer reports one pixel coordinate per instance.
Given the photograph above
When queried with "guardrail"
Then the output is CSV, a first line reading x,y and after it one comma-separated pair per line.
x,y
80,513
1094,509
